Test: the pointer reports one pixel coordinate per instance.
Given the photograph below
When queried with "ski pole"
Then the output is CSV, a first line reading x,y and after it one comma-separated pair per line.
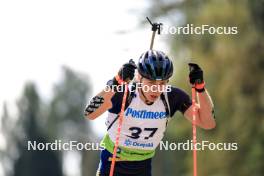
x,y
194,132
155,27
194,126
120,121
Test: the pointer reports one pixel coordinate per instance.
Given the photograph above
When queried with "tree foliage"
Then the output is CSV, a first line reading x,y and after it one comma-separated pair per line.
x,y
59,119
234,69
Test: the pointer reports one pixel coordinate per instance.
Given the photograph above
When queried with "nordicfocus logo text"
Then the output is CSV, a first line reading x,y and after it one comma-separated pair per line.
x,y
143,114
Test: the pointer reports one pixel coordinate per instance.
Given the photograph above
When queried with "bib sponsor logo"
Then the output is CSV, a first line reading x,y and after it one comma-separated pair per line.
x,y
143,114
128,143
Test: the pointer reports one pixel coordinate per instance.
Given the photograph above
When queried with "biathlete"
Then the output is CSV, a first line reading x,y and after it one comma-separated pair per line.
x,y
148,109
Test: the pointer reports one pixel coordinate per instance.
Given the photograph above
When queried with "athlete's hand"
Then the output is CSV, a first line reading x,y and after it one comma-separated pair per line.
x,y
127,71
196,77
125,74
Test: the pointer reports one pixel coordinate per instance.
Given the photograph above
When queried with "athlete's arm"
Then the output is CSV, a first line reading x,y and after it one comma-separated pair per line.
x,y
204,108
102,101
204,111
99,104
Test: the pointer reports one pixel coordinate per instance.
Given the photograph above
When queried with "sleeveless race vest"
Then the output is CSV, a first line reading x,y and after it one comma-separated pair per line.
x,y
143,125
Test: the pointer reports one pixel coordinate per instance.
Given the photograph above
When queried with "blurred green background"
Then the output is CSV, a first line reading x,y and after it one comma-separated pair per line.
x,y
234,74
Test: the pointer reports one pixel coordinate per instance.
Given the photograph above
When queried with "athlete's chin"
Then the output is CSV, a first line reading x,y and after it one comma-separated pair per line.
x,y
153,98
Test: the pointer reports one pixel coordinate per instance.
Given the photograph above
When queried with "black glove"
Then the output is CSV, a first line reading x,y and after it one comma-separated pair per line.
x,y
127,71
125,74
94,104
196,77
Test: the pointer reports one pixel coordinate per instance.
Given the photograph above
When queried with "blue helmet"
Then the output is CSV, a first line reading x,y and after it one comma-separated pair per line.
x,y
155,65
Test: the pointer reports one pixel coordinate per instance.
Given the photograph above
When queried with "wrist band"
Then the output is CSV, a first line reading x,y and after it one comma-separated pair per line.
x,y
200,87
200,90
